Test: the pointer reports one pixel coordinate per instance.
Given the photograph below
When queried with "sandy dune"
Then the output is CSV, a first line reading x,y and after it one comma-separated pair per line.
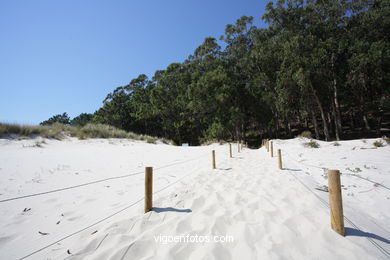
x,y
270,213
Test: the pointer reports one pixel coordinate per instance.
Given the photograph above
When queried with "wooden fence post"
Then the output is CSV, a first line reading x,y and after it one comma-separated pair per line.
x,y
335,202
267,145
148,189
280,159
272,149
213,153
238,146
230,150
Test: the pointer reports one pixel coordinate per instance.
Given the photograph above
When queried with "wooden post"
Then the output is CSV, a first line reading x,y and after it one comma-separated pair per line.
x,y
267,145
272,149
230,150
280,159
148,189
335,202
238,146
213,153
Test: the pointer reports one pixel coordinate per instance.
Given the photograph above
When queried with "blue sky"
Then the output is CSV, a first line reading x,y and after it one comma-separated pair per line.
x,y
66,55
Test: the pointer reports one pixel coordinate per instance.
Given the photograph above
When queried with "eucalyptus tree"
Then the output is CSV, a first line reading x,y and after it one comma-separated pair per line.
x,y
170,102
369,61
237,59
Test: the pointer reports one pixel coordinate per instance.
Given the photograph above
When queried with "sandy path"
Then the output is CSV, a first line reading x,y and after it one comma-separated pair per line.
x,y
267,211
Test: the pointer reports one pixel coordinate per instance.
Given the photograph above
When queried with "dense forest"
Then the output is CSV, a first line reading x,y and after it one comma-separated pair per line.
x,y
321,66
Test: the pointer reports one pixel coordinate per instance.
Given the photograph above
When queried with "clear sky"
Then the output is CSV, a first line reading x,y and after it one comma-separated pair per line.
x,y
66,55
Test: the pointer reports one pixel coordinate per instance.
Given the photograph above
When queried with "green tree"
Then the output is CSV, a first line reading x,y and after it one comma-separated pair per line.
x,y
60,118
82,119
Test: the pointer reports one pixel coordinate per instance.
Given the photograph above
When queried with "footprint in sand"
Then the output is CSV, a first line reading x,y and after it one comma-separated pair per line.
x,y
183,226
89,200
209,211
197,203
221,252
6,239
51,200
73,218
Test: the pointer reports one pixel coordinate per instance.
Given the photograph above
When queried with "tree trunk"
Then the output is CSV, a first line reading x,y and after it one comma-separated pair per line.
x,y
363,114
329,120
352,121
338,126
288,127
242,132
323,117
378,130
366,124
237,132
315,123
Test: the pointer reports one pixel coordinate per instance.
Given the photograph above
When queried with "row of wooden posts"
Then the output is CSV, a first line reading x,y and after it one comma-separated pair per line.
x,y
334,186
334,189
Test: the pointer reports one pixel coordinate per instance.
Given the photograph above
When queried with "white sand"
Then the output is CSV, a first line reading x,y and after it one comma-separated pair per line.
x,y
270,213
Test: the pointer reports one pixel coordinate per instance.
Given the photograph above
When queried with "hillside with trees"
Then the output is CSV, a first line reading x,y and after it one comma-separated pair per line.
x,y
321,66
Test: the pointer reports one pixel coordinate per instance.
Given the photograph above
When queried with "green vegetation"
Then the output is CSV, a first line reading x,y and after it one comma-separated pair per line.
x,y
60,119
100,131
60,131
378,144
312,144
356,170
81,120
320,66
55,131
64,119
9,129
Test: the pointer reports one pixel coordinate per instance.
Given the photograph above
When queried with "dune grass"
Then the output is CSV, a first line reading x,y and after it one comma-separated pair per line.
x,y
312,144
60,131
378,144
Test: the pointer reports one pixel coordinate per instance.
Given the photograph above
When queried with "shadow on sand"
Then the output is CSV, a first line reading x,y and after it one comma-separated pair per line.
x,y
359,233
293,170
170,209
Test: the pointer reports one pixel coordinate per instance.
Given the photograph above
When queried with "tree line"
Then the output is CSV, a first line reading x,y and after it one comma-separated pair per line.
x,y
321,66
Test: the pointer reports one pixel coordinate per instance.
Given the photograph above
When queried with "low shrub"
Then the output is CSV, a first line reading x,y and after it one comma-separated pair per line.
x,y
100,131
60,131
209,141
151,140
23,130
312,144
378,144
